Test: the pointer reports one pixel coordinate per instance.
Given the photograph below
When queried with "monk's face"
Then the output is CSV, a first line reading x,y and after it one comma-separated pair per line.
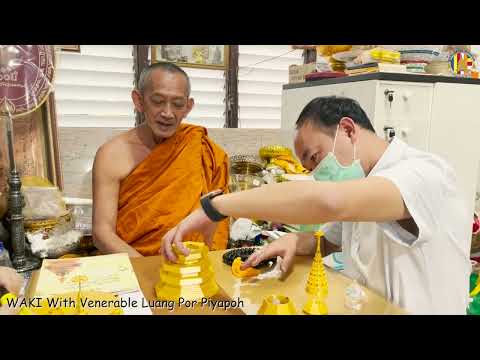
x,y
165,102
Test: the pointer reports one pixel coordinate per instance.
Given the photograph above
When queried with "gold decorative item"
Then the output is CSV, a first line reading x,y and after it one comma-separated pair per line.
x,y
317,284
245,165
78,280
246,168
272,151
328,51
277,305
245,172
336,65
47,224
191,278
315,305
215,57
33,180
282,157
236,271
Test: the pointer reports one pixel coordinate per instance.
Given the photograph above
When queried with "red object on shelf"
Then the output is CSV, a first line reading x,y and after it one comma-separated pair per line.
x,y
324,75
476,224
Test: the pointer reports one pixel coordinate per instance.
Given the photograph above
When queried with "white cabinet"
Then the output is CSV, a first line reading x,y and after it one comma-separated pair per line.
x,y
428,114
406,108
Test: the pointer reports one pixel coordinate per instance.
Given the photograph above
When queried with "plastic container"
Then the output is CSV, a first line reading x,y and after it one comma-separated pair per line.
x,y
241,182
355,297
81,210
416,67
425,56
4,257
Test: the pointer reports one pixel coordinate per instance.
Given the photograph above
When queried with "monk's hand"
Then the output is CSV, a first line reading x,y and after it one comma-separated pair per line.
x,y
285,247
197,221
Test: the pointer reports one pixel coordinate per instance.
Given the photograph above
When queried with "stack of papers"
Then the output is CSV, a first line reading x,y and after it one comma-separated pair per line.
x,y
108,273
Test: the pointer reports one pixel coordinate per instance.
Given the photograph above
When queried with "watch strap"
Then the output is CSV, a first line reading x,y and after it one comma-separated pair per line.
x,y
207,206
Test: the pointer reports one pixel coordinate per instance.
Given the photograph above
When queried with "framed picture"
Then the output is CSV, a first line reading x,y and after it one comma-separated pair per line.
x,y
72,48
35,145
196,56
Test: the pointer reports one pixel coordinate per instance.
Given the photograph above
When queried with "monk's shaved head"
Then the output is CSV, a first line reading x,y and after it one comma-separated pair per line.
x,y
145,81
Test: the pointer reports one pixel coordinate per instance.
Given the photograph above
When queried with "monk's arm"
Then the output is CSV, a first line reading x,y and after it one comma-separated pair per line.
x,y
105,204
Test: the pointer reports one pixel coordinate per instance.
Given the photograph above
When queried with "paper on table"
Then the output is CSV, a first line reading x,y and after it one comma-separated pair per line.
x,y
108,273
140,299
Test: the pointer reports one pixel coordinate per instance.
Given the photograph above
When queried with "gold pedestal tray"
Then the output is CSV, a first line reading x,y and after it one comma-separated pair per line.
x,y
191,278
277,305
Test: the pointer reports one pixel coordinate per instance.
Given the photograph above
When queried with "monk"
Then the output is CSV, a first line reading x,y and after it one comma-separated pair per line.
x,y
149,178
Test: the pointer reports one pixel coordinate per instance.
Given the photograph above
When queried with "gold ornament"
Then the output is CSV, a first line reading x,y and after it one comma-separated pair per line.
x,y
191,278
317,285
280,156
277,305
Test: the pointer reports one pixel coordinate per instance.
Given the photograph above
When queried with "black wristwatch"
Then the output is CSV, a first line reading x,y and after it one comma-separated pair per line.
x,y
210,211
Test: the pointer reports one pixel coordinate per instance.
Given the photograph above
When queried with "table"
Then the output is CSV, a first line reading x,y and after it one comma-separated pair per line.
x,y
253,291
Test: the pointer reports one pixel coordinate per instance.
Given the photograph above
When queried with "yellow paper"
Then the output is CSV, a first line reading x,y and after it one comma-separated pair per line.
x,y
107,273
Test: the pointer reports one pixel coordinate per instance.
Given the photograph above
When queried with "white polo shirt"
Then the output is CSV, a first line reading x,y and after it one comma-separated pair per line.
x,y
428,274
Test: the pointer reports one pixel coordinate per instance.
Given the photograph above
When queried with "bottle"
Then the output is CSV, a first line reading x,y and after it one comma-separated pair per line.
x,y
4,257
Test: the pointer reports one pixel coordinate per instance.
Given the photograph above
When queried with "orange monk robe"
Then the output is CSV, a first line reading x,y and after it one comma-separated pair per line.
x,y
165,187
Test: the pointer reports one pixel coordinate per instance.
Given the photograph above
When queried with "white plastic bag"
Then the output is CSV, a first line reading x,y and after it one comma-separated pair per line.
x,y
43,203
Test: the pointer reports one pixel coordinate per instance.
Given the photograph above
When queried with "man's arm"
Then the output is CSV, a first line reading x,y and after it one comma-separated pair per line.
x,y
106,186
370,199
307,245
374,199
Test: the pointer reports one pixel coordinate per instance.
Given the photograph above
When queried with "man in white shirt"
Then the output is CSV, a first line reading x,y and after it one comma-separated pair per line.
x,y
397,212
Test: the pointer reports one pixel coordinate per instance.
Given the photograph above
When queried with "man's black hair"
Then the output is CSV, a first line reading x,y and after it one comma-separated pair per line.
x,y
327,111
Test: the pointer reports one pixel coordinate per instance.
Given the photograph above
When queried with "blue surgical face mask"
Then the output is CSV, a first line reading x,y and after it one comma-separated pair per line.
x,y
329,169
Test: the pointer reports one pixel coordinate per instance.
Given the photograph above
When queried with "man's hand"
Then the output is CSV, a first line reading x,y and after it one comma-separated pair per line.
x,y
10,280
285,247
197,221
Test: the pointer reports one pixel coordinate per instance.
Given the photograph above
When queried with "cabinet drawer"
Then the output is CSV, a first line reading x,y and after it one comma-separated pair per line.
x,y
407,108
